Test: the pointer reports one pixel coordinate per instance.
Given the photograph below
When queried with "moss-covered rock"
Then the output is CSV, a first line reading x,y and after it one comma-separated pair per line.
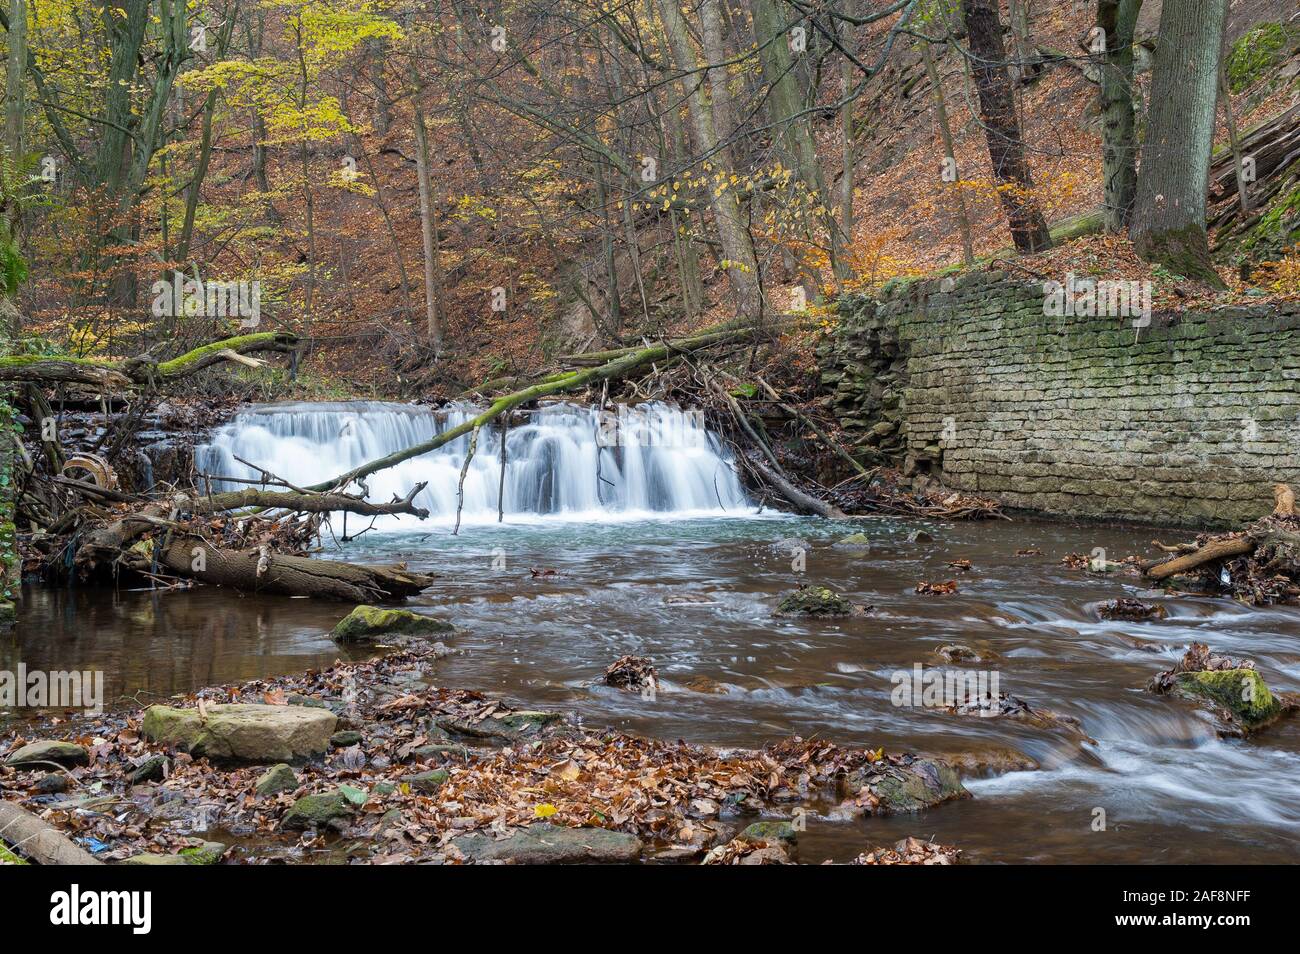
x,y
902,784
252,733
208,853
814,601
1255,53
769,833
508,727
7,857
1240,694
276,779
314,811
365,623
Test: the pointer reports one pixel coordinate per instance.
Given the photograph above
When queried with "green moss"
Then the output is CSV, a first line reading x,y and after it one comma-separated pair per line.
x,y
1242,692
179,365
1256,53
365,622
7,857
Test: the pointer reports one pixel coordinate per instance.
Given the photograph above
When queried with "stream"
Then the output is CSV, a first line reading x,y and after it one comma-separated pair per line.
x,y
662,556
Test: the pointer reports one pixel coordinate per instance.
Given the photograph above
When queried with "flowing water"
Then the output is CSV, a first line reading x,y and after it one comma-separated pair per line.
x,y
660,555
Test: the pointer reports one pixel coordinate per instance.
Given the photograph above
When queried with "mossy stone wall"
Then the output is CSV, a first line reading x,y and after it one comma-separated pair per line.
x,y
1190,420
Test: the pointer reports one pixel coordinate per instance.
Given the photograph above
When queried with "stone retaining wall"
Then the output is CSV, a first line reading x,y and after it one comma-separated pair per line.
x,y
1189,420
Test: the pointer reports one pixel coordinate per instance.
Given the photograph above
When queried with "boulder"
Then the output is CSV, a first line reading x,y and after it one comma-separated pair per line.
x,y
366,622
547,844
60,753
315,811
251,733
1233,689
902,784
1240,695
276,779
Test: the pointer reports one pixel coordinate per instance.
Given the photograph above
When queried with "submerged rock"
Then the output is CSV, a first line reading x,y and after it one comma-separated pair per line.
x,y
365,623
545,843
60,753
276,779
1131,609
762,843
706,685
815,601
253,733
1234,691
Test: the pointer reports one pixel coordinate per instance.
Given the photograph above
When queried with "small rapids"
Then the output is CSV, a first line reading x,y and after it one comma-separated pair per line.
x,y
565,461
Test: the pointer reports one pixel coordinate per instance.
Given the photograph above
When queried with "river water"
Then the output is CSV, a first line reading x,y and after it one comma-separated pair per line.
x,y
696,594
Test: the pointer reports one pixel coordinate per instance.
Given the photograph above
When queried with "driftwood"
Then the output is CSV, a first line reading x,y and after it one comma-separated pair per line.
x,y
1270,571
1224,549
38,841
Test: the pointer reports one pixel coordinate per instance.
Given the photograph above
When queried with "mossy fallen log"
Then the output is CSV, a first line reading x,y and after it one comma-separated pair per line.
x,y
143,371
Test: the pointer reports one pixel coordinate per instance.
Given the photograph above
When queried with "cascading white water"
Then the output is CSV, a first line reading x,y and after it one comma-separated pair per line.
x,y
565,461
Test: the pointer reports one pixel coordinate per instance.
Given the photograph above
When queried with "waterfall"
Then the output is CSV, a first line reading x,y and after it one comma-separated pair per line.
x,y
565,461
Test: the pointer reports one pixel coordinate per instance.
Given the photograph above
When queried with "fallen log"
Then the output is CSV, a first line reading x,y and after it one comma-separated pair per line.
x,y
143,371
37,840
1214,550
192,557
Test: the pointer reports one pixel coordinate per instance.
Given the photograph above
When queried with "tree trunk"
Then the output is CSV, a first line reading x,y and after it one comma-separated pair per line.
x,y
428,229
1169,214
1117,19
786,107
1002,129
945,135
737,247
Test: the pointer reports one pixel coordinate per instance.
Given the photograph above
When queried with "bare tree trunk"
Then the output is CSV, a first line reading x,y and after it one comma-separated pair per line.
x,y
1117,19
945,135
428,229
1169,215
793,128
737,247
1230,120
998,111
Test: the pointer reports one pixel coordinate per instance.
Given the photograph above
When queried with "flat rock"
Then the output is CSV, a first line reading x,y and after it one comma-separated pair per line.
x,y
508,727
251,733
544,843
208,853
61,753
